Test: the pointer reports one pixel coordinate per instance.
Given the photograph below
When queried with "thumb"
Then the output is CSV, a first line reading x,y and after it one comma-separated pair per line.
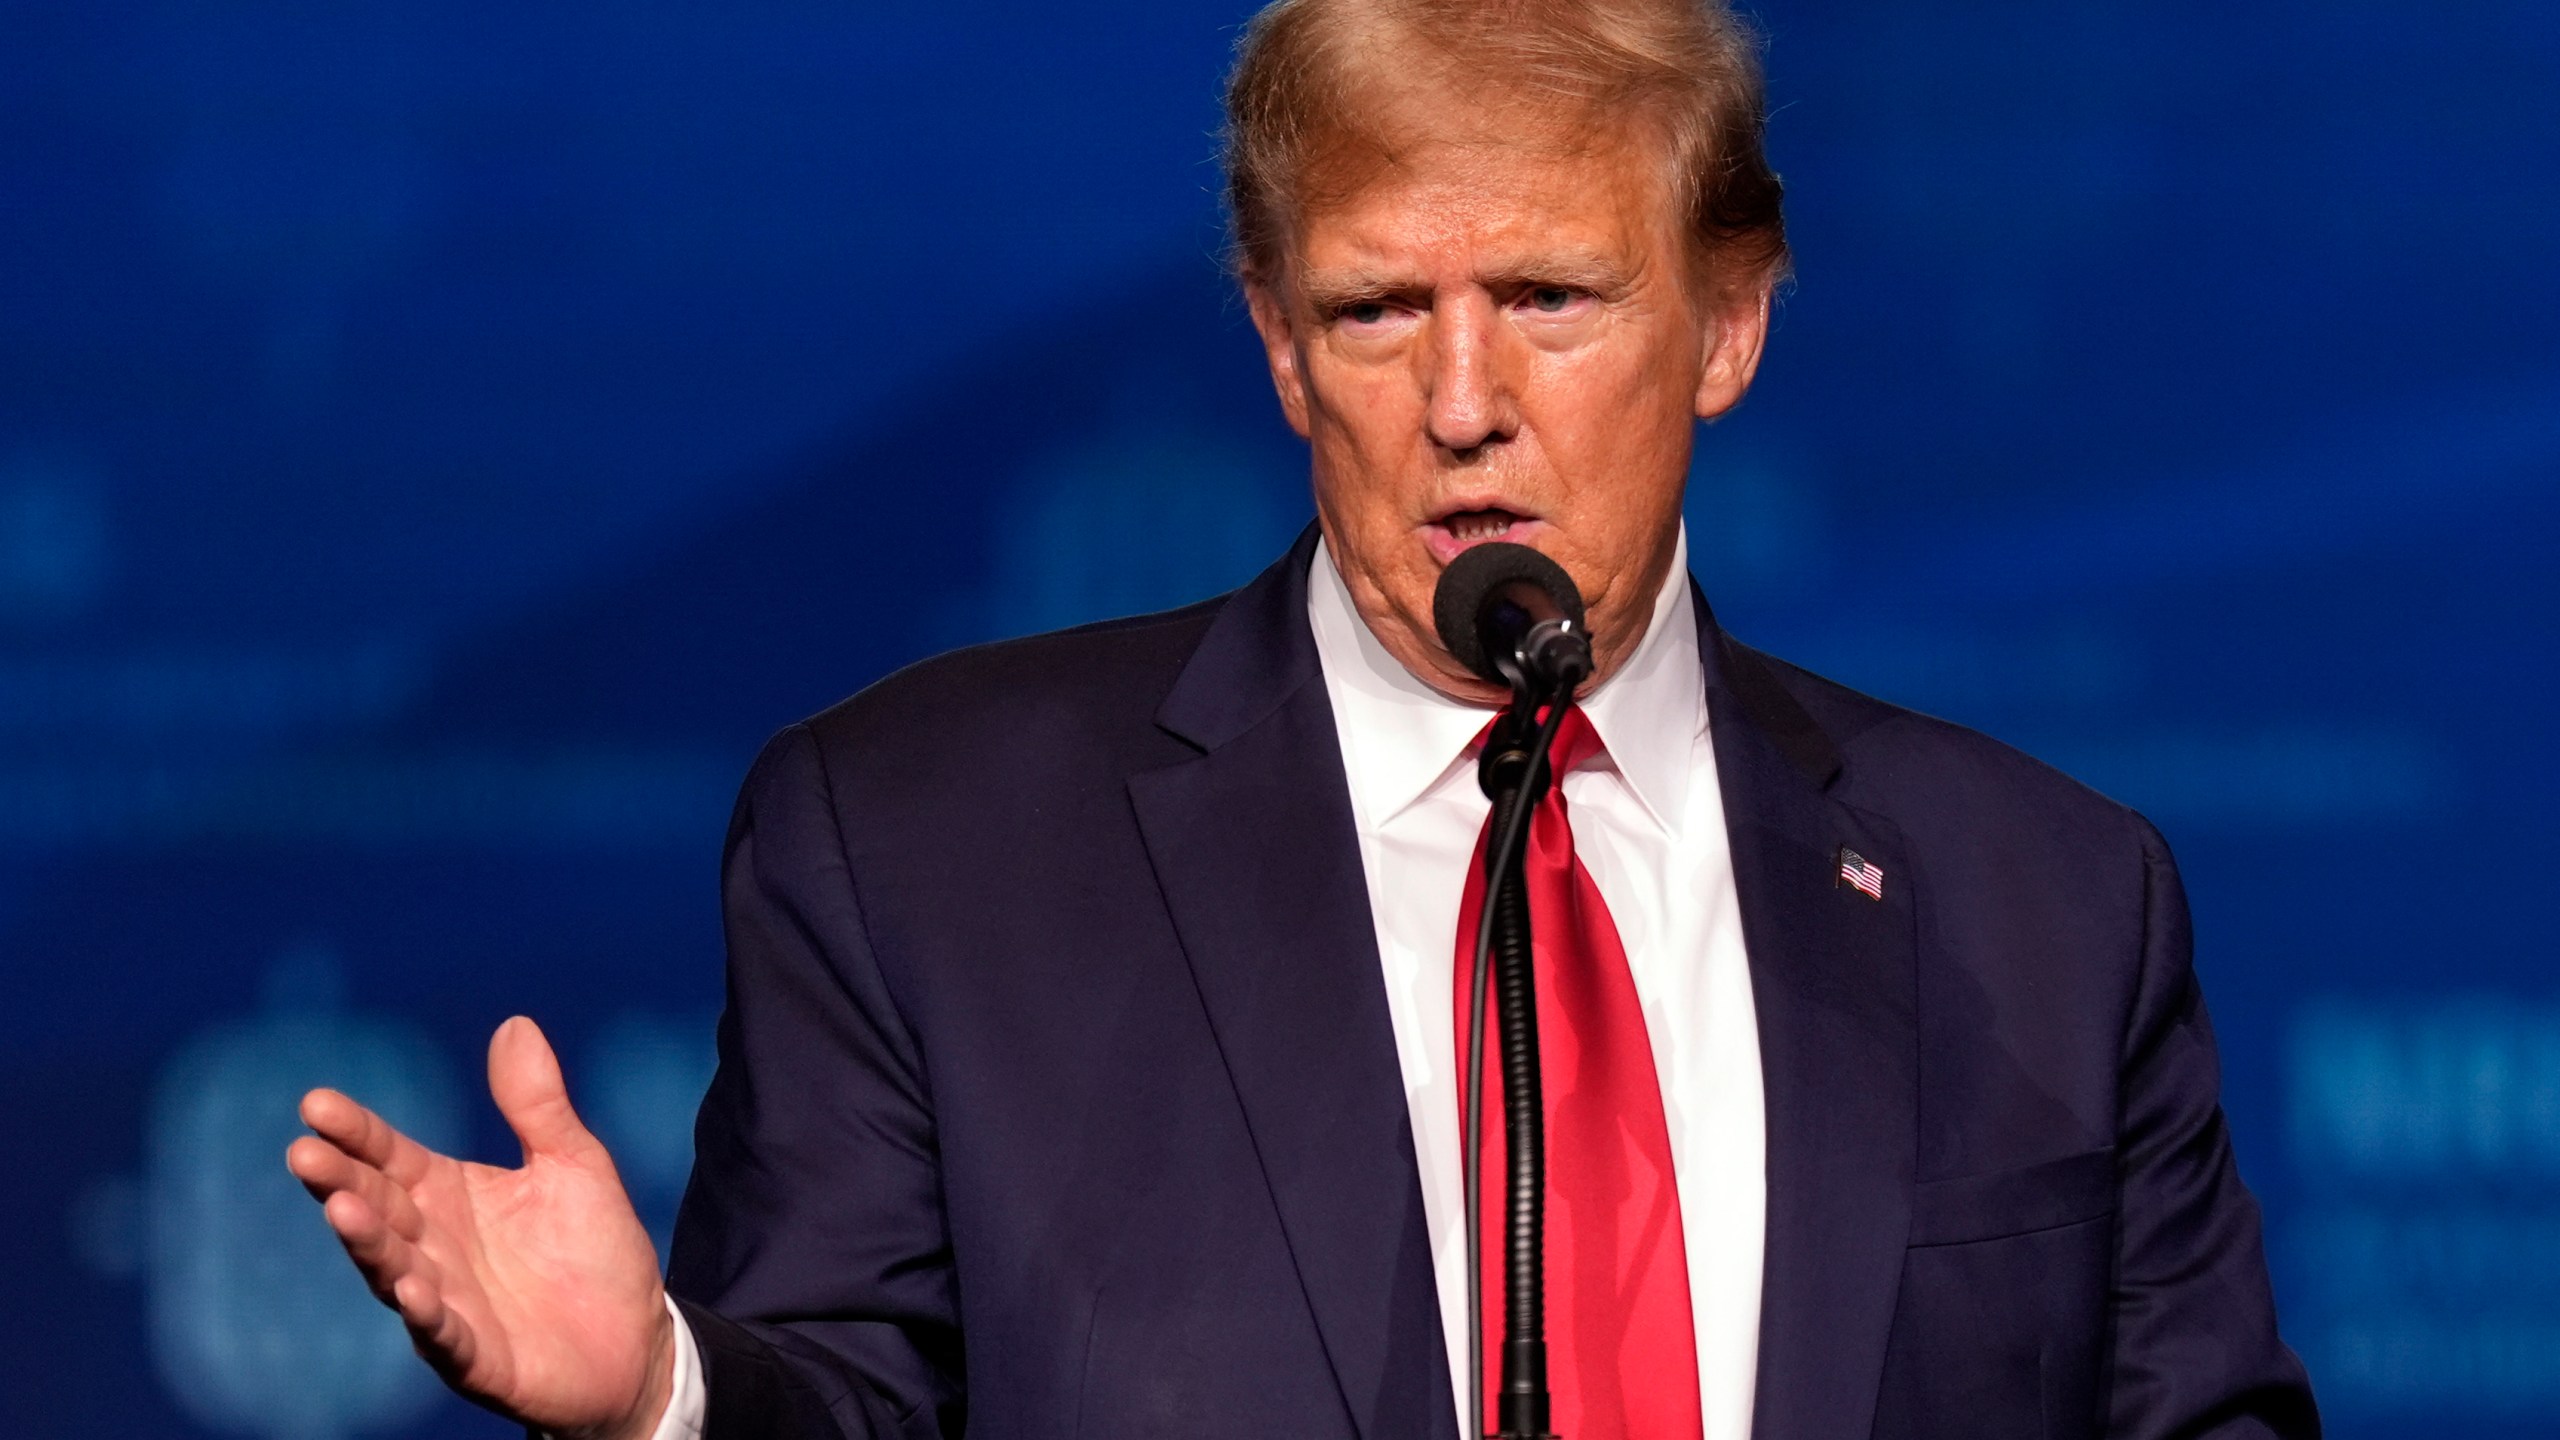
x,y
524,1078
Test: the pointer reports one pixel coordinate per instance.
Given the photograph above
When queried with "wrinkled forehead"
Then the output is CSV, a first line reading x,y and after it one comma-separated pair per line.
x,y
1385,118
1421,163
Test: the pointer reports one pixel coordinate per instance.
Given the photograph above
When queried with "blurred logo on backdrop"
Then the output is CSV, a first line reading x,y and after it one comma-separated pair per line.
x,y
2422,1263
256,1323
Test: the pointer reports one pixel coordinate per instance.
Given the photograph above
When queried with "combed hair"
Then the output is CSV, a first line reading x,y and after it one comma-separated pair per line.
x,y
1308,72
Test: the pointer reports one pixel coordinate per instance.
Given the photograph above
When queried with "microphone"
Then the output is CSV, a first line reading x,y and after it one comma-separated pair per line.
x,y
1513,616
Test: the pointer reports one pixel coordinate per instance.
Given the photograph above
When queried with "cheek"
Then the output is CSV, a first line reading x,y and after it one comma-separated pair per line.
x,y
1620,442
1370,413
1362,429
1619,434
1361,504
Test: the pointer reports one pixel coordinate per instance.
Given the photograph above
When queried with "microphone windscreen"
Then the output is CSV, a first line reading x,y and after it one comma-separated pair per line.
x,y
1458,604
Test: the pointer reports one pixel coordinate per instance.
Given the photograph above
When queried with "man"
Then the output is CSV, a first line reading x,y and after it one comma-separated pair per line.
x,y
1089,1063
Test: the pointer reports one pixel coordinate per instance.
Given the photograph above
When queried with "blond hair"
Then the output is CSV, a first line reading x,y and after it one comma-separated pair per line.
x,y
1302,105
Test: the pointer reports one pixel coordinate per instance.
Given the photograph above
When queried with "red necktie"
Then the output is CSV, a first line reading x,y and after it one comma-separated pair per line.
x,y
1622,1358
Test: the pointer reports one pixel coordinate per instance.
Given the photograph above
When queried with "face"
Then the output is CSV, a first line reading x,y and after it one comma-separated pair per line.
x,y
1502,339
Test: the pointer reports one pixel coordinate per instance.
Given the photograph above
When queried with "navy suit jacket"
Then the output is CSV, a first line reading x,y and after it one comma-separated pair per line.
x,y
1057,1095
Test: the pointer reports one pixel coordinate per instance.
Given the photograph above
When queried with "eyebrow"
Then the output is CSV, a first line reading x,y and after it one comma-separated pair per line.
x,y
1333,288
1581,270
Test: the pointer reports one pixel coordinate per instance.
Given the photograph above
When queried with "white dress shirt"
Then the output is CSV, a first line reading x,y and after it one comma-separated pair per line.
x,y
1648,823
690,1405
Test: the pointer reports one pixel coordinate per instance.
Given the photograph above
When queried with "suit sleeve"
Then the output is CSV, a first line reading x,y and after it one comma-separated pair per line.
x,y
2195,1347
811,1258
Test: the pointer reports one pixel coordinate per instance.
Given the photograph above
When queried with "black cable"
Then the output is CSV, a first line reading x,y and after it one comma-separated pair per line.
x,y
1499,862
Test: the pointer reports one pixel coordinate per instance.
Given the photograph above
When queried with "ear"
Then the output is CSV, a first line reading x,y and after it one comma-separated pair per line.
x,y
1735,331
1280,350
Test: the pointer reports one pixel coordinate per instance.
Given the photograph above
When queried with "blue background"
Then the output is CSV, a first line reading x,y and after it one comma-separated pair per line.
x,y
438,442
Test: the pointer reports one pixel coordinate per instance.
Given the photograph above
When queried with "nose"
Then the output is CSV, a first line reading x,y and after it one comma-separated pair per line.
x,y
1468,400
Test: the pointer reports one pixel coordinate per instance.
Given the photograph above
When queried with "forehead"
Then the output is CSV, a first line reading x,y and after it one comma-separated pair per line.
x,y
1488,190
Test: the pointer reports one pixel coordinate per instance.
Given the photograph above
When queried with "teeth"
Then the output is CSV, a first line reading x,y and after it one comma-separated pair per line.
x,y
1479,524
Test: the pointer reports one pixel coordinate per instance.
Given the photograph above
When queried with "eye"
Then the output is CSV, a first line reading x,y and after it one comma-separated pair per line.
x,y
1550,299
1363,312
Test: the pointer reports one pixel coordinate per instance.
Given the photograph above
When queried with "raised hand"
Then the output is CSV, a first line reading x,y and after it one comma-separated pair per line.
x,y
532,1291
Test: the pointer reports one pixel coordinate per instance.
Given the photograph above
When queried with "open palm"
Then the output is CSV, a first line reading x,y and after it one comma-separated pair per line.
x,y
533,1291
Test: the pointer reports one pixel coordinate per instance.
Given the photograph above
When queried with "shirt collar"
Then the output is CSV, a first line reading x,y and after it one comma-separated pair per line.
x,y
1401,738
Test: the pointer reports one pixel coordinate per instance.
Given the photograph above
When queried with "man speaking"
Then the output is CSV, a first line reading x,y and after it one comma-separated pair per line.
x,y
1091,1058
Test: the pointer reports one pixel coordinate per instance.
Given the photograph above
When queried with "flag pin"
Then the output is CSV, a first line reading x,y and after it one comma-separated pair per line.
x,y
1860,874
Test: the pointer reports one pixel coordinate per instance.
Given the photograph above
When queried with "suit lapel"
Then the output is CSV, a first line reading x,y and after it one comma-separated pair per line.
x,y
1254,847
1832,984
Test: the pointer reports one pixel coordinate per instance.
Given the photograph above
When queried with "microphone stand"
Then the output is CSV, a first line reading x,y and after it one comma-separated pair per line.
x,y
1514,774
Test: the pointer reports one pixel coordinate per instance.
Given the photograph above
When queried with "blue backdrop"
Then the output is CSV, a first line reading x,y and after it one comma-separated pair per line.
x,y
439,441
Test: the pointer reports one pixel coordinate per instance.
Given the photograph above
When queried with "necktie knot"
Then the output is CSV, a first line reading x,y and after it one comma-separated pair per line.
x,y
1576,742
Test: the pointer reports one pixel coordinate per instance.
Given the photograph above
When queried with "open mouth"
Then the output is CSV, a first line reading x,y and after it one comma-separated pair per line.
x,y
1457,530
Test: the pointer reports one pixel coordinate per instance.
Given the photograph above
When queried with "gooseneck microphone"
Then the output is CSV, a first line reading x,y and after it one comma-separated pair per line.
x,y
1514,617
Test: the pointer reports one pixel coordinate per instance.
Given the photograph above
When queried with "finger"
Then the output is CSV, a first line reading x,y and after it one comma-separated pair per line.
x,y
436,1330
380,1254
324,1170
524,1078
366,1136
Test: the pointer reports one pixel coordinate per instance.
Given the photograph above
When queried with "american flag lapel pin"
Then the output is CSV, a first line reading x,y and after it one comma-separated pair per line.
x,y
1860,874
